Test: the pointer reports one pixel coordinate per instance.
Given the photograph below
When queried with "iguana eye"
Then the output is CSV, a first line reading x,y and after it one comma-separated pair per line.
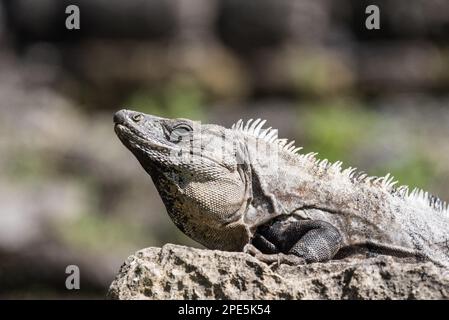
x,y
137,117
179,131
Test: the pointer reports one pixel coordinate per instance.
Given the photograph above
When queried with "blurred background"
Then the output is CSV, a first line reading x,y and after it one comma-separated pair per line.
x,y
70,193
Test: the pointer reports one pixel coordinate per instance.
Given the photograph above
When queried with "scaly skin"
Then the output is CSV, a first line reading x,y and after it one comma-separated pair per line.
x,y
244,189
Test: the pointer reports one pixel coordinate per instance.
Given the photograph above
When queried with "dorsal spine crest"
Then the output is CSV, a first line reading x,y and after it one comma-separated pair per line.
x,y
416,196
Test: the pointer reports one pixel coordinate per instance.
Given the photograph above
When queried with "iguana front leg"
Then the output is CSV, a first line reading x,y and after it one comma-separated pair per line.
x,y
296,242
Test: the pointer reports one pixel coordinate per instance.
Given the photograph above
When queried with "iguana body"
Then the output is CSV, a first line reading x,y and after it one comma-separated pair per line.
x,y
245,189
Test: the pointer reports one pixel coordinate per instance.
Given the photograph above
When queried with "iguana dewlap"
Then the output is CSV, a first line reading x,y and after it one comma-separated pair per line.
x,y
244,188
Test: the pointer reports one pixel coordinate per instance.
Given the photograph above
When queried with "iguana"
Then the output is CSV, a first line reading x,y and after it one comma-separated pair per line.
x,y
244,189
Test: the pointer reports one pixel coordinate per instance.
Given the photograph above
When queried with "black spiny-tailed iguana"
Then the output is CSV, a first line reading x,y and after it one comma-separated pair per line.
x,y
244,189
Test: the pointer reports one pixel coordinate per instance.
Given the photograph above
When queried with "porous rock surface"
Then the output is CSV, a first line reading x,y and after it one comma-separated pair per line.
x,y
178,272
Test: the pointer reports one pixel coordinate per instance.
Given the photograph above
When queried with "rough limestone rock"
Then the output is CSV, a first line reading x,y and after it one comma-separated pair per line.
x,y
177,272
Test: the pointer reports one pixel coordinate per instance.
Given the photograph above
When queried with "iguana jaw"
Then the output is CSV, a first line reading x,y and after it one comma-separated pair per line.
x,y
132,138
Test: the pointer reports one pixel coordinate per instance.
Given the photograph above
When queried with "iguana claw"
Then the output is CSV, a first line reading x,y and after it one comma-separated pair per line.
x,y
273,259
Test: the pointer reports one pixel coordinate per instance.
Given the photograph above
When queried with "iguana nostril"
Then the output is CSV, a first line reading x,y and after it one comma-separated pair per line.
x,y
119,117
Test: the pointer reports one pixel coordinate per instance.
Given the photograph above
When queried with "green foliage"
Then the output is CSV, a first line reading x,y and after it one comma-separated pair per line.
x,y
333,130
177,99
28,165
415,170
339,131
99,233
312,75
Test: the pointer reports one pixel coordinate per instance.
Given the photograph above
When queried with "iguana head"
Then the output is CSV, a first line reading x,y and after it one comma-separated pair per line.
x,y
196,168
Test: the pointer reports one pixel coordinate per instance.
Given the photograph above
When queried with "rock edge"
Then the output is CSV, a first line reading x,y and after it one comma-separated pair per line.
x,y
178,272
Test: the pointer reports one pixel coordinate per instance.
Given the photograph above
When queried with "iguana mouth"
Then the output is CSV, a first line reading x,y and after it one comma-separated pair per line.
x,y
132,137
